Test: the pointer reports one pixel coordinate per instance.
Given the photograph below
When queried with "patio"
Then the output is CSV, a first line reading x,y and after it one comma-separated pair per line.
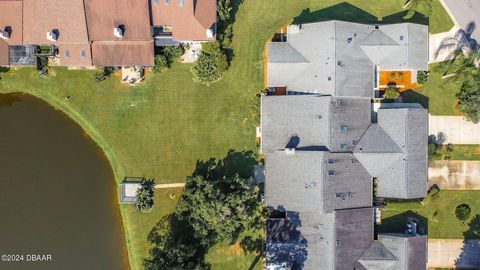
x,y
402,80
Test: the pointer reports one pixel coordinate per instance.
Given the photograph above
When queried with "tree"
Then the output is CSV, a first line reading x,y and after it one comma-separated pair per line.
x,y
424,6
391,93
144,196
210,65
173,53
462,211
161,63
469,99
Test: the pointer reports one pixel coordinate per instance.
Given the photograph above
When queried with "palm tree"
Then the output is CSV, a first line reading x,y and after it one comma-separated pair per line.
x,y
461,66
413,6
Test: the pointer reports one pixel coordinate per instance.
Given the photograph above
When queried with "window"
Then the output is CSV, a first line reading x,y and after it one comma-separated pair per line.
x,y
343,146
66,53
165,2
331,173
181,2
331,161
83,54
156,2
338,195
343,128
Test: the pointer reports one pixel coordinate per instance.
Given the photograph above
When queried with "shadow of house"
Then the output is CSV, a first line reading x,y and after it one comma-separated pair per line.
x,y
410,96
347,12
285,245
469,258
396,223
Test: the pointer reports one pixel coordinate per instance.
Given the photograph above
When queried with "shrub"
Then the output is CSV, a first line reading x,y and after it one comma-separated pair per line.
x,y
161,63
469,99
392,75
462,211
172,53
391,93
211,64
422,77
99,76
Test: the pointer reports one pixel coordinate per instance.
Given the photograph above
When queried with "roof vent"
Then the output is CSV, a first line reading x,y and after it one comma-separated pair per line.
x,y
209,33
377,27
4,35
290,151
294,28
52,36
118,31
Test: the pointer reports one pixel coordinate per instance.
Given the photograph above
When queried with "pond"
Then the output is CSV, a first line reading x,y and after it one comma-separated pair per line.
x,y
57,193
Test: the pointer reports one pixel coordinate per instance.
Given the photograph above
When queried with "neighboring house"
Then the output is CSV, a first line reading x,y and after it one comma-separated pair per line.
x,y
82,33
120,32
344,58
324,152
58,28
183,21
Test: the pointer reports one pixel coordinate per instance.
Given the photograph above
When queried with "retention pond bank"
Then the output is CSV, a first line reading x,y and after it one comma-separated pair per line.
x,y
57,192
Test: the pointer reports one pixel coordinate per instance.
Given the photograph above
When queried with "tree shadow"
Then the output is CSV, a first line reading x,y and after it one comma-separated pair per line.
x,y
236,162
347,12
285,245
470,254
410,96
461,40
397,223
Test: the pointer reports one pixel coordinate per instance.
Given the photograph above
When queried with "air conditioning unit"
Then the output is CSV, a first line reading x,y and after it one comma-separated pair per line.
x,y
52,36
4,35
209,33
118,32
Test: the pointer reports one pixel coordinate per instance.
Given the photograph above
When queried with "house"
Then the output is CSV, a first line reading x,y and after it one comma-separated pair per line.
x,y
183,21
84,33
345,59
11,28
57,28
120,33
326,147
127,190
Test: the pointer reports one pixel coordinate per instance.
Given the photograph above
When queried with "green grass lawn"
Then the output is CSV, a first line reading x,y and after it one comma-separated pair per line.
x,y
160,128
439,213
466,152
438,95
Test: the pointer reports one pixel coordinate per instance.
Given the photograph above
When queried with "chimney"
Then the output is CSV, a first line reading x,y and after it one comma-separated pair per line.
x,y
52,36
118,32
290,151
4,35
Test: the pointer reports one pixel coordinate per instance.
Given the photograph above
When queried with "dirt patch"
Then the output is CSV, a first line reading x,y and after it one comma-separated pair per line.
x,y
455,108
235,249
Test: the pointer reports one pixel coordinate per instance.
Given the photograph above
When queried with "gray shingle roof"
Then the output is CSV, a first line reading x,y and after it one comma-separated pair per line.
x,y
342,56
410,251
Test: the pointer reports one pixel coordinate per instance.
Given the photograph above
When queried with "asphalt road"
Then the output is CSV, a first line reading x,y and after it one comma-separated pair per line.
x,y
467,15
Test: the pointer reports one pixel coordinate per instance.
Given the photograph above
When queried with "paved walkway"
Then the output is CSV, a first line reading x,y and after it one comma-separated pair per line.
x,y
454,129
174,185
442,46
454,174
447,253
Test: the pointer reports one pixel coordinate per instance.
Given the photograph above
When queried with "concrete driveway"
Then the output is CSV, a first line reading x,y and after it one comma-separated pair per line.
x,y
453,129
449,253
466,15
454,174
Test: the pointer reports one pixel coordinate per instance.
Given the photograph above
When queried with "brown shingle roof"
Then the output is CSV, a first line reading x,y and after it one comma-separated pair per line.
x,y
189,22
104,15
66,16
122,53
4,61
11,17
75,55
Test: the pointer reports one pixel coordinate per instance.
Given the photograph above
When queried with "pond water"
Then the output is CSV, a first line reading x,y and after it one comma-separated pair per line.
x,y
57,192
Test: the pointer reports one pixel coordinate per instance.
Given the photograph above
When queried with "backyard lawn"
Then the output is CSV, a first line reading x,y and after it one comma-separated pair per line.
x,y
466,152
159,129
438,213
